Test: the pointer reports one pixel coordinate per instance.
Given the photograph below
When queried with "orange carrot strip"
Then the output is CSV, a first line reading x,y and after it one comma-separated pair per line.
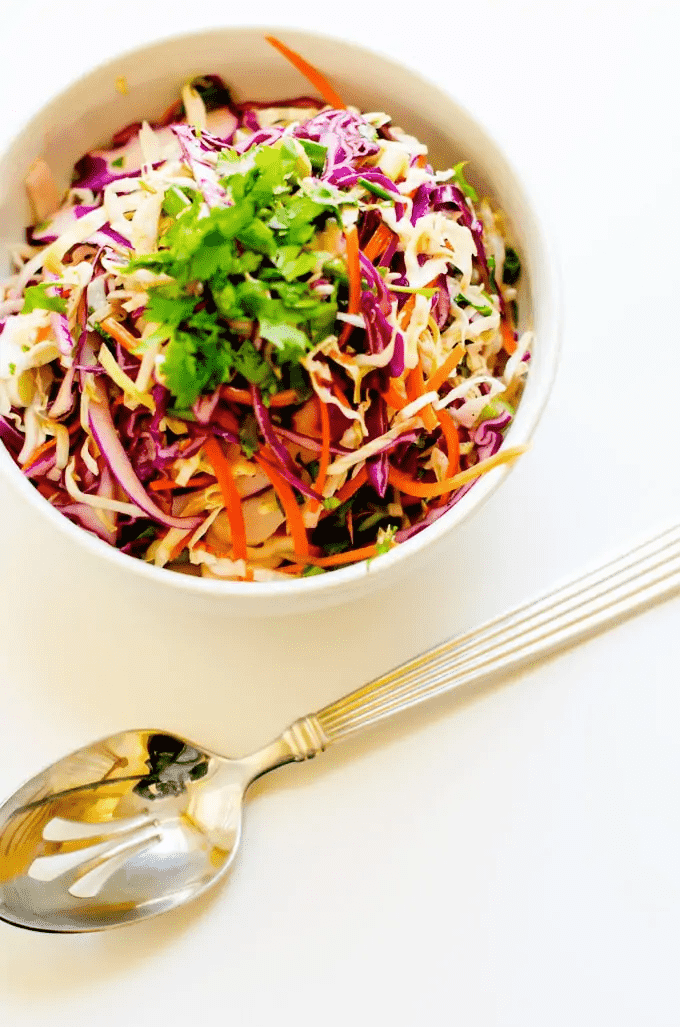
x,y
407,310
438,377
38,452
242,396
324,459
452,438
339,394
310,72
509,341
163,484
415,387
354,274
46,446
226,419
287,499
352,485
393,397
379,241
428,490
292,568
118,332
232,499
351,556
179,546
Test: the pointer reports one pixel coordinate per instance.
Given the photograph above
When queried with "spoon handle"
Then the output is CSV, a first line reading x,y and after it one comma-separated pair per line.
x,y
580,608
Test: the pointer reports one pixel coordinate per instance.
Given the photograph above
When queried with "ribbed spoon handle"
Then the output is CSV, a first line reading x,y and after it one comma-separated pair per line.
x,y
595,600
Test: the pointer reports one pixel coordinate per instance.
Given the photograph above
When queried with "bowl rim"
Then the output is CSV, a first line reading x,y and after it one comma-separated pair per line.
x,y
531,406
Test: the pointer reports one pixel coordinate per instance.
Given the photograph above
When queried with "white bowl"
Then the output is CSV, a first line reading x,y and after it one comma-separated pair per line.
x,y
92,109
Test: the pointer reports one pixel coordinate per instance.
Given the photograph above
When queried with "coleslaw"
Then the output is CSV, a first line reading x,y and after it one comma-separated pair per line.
x,y
257,340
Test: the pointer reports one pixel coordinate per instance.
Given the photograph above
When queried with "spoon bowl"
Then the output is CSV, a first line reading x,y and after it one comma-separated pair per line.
x,y
119,831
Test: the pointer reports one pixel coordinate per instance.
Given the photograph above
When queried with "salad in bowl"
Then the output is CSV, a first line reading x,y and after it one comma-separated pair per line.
x,y
260,340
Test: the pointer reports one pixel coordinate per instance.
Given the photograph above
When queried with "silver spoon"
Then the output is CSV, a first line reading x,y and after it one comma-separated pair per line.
x,y
141,822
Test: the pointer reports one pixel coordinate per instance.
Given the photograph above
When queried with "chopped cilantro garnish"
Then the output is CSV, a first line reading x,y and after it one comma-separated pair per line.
x,y
512,267
491,263
462,183
311,571
248,436
331,503
377,190
316,153
428,293
385,540
483,308
248,261
36,298
12,368
118,163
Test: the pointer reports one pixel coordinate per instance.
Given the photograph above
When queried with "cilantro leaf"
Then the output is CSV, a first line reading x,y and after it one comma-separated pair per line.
x,y
462,183
36,298
512,267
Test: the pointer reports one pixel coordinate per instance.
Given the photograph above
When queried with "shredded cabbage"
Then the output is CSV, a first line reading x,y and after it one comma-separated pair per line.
x,y
291,280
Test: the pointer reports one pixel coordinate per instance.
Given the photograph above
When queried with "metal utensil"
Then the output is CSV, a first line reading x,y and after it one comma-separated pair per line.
x,y
141,822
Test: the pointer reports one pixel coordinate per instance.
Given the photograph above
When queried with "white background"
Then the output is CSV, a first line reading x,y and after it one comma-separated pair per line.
x,y
512,860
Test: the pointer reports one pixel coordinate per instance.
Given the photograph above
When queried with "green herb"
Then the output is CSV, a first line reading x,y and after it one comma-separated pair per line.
x,y
429,293
247,261
212,91
331,548
491,262
483,308
36,298
118,163
248,436
377,190
310,571
174,202
331,503
512,267
462,183
385,540
316,153
12,368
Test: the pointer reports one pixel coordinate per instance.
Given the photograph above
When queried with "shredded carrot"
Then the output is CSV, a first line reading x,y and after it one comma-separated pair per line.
x,y
167,484
352,485
179,546
339,394
226,419
354,274
325,453
393,396
509,341
243,396
310,72
407,310
230,495
379,241
428,490
38,452
438,377
120,333
351,556
287,499
46,446
415,387
452,438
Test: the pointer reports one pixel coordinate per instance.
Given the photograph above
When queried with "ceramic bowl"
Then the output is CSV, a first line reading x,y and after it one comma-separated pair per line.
x,y
85,116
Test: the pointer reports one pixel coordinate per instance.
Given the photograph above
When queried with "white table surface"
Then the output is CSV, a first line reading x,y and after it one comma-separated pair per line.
x,y
508,861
